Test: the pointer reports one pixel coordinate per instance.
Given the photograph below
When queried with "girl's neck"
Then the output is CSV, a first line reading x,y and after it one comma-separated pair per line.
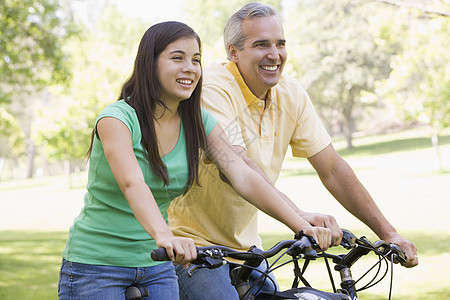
x,y
166,114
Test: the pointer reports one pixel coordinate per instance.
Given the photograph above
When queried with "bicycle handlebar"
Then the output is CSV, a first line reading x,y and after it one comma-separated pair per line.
x,y
300,246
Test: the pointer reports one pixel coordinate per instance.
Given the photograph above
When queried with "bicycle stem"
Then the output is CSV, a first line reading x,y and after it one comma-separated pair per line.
x,y
347,282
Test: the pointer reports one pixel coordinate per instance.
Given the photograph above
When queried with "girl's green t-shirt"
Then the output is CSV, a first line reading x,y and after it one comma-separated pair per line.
x,y
106,231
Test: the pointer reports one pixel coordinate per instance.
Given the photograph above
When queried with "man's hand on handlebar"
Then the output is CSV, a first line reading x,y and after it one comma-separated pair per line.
x,y
326,221
183,247
408,248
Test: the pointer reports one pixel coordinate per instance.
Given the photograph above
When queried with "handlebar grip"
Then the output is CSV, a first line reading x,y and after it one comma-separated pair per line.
x,y
159,254
399,254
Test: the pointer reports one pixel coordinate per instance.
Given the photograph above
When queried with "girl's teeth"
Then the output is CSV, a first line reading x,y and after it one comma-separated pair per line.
x,y
185,81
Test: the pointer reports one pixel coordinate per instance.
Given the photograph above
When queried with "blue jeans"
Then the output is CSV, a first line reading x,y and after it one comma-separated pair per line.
x,y
79,281
212,284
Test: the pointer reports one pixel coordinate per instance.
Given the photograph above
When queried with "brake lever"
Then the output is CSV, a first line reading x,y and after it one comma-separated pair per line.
x,y
399,255
303,248
210,259
387,248
348,239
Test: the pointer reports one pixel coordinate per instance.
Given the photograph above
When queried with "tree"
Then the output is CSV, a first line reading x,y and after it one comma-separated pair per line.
x,y
11,137
336,55
419,85
101,59
32,33
426,7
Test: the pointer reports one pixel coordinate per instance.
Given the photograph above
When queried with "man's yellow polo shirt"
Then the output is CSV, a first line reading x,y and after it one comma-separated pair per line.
x,y
212,213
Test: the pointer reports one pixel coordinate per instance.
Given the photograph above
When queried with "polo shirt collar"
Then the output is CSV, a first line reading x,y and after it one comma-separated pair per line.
x,y
249,97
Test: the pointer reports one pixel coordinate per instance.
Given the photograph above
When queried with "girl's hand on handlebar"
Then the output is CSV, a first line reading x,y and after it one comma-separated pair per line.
x,y
321,235
326,221
183,247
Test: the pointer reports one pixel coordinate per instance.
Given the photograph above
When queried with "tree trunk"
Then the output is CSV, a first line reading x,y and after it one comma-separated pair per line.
x,y
435,144
2,164
68,171
31,152
347,111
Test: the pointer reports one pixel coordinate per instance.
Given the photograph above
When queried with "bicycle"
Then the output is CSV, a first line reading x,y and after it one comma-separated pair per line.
x,y
302,247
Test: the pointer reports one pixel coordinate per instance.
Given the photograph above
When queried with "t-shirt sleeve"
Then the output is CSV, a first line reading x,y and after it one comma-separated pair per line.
x,y
310,136
217,102
209,121
123,112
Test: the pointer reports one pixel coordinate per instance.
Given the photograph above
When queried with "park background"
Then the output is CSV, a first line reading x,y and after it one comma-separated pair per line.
x,y
378,73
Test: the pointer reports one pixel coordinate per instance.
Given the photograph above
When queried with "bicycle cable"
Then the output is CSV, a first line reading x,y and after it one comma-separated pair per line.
x,y
392,275
371,283
330,275
295,261
264,276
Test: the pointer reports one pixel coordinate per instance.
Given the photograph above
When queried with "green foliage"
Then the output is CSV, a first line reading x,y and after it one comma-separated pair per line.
x,y
67,137
11,136
101,60
419,85
32,35
339,58
31,39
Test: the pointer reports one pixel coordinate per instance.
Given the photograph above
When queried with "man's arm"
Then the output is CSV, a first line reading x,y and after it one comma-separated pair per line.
x,y
315,219
340,180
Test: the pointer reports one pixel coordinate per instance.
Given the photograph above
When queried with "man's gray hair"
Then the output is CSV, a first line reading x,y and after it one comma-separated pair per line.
x,y
233,33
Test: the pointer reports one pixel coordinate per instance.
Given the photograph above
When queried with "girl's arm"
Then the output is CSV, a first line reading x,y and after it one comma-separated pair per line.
x,y
253,188
116,141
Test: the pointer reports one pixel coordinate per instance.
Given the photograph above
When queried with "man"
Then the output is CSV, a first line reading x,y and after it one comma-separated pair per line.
x,y
263,112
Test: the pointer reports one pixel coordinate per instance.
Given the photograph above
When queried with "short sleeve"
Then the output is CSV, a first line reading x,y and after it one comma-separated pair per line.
x,y
209,121
310,136
217,102
126,114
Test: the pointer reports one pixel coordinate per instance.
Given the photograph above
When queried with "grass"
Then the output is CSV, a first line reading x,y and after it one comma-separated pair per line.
x,y
369,146
398,169
29,264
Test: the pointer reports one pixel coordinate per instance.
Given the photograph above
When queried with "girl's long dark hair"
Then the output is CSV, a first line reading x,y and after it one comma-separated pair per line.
x,y
142,92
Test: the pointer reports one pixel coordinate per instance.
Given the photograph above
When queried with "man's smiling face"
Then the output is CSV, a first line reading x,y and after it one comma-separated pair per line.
x,y
262,58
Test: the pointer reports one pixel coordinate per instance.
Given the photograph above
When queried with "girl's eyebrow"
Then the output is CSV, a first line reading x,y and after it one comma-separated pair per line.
x,y
182,52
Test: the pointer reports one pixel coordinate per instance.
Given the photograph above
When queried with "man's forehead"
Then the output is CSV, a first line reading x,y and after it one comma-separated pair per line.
x,y
262,29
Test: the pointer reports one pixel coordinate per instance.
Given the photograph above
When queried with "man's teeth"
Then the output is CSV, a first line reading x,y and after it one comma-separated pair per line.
x,y
184,81
270,68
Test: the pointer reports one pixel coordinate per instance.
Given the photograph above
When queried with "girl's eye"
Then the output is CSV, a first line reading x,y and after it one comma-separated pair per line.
x,y
196,60
177,58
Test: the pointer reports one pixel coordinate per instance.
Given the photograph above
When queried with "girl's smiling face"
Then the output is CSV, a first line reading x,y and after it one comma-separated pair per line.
x,y
179,70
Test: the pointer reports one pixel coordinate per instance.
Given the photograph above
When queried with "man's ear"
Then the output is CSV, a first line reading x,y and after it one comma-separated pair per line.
x,y
232,53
